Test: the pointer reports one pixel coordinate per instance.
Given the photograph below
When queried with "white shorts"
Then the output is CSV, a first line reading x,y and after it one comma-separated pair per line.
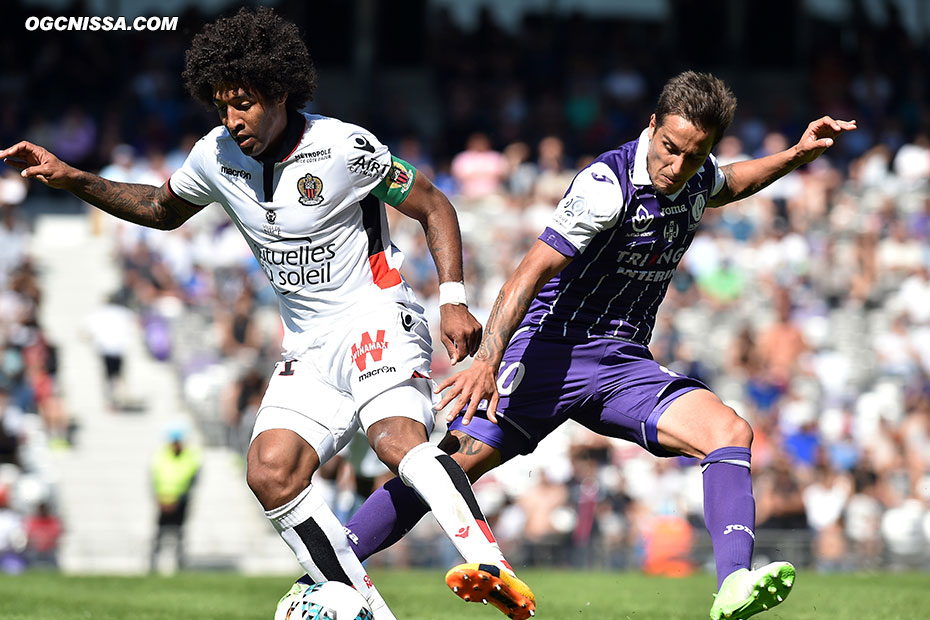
x,y
336,387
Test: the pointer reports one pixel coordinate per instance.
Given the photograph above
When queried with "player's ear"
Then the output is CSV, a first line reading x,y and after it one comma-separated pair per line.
x,y
652,126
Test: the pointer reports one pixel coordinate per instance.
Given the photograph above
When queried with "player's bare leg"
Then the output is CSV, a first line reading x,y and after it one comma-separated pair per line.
x,y
280,465
402,445
698,424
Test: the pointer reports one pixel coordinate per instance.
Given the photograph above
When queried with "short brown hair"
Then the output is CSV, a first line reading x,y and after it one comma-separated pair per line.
x,y
701,99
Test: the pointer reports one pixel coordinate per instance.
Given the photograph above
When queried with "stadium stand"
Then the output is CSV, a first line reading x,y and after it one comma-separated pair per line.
x,y
806,307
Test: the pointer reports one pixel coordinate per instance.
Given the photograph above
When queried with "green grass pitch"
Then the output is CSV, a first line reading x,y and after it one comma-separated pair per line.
x,y
422,595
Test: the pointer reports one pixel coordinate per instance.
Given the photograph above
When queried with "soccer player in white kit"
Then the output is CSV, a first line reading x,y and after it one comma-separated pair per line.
x,y
307,193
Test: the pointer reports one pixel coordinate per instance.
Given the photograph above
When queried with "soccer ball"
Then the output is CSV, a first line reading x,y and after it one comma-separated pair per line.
x,y
327,600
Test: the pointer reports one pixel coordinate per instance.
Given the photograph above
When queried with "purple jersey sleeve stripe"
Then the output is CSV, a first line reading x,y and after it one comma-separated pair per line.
x,y
559,243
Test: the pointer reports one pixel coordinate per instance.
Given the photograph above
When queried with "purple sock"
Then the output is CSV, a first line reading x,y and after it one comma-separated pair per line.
x,y
384,518
729,509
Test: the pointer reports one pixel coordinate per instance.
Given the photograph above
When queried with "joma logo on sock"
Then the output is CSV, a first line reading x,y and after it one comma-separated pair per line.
x,y
736,527
351,535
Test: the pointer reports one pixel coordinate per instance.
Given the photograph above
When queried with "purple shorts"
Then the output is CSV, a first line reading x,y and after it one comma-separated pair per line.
x,y
613,387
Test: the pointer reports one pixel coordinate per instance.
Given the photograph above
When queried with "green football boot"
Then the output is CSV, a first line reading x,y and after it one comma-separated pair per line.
x,y
745,593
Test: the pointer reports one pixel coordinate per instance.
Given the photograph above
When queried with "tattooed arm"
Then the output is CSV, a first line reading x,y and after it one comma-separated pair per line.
x,y
461,332
745,178
145,205
479,381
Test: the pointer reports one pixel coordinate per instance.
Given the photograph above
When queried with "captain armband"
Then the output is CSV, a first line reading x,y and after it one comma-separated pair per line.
x,y
397,183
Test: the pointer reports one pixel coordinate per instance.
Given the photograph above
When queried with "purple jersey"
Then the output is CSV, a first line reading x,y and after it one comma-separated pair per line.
x,y
626,242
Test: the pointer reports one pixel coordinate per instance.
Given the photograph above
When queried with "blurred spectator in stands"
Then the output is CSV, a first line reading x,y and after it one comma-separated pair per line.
x,y
521,172
75,138
43,531
110,328
824,502
479,170
723,285
913,298
911,163
780,503
40,367
862,518
13,233
239,336
543,538
781,197
865,272
240,404
667,546
902,530
411,151
12,536
894,349
11,427
174,471
730,150
781,343
554,174
899,255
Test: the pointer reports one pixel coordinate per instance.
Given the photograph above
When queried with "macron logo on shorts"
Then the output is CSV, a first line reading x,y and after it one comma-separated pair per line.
x,y
375,348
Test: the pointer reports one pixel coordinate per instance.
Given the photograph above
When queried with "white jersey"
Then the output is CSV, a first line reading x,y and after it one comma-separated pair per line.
x,y
309,218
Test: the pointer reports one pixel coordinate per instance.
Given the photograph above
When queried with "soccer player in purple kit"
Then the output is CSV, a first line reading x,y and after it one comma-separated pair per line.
x,y
568,335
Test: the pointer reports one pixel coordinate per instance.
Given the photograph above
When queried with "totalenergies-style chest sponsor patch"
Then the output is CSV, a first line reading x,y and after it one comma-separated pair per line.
x,y
310,188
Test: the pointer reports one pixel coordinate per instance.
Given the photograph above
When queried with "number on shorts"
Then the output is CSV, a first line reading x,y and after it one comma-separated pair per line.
x,y
515,373
288,369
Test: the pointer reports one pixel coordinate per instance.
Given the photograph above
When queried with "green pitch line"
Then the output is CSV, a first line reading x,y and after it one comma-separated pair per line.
x,y
422,595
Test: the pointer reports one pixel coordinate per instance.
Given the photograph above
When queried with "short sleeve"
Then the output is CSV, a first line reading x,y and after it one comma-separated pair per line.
x,y
719,178
367,160
593,203
190,182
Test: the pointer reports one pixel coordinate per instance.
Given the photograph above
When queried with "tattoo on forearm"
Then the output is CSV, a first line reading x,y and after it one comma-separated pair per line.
x,y
140,204
446,256
502,324
730,192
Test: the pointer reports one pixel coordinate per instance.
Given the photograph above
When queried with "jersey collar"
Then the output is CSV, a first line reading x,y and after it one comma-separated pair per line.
x,y
640,174
290,139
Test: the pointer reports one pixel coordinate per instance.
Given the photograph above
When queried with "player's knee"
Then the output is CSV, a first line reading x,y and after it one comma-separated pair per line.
x,y
274,477
733,431
392,438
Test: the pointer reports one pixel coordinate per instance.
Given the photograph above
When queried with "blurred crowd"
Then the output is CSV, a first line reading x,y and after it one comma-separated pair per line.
x,y
806,307
33,417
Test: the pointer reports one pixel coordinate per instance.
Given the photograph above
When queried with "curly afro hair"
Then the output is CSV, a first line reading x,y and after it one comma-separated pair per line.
x,y
255,50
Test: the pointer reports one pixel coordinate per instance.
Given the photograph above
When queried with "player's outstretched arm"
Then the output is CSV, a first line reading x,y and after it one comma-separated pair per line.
x,y
461,332
745,178
479,381
145,205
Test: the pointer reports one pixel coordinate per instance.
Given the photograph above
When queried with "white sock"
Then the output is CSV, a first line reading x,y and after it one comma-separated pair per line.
x,y
443,485
319,541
